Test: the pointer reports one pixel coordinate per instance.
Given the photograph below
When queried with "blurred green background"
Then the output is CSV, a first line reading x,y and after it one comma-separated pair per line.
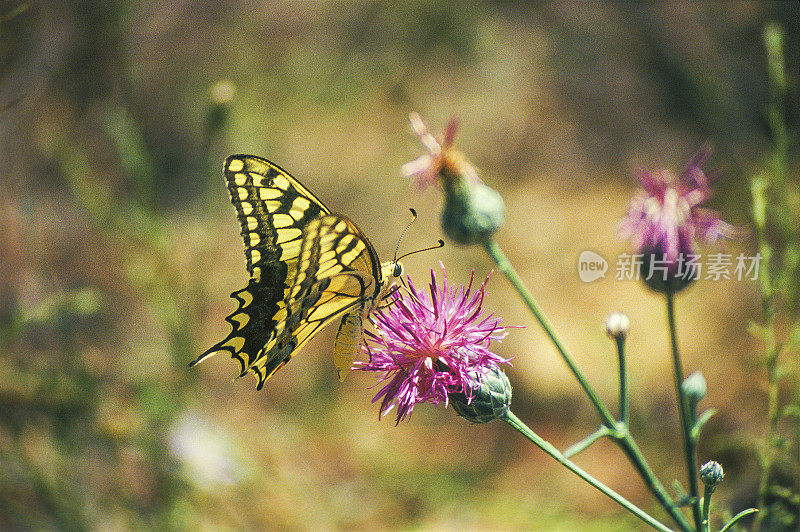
x,y
119,248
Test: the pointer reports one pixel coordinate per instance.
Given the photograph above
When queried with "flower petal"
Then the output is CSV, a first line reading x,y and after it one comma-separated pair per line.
x,y
430,345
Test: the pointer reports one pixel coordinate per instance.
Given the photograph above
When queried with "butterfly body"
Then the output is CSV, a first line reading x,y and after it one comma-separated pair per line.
x,y
307,267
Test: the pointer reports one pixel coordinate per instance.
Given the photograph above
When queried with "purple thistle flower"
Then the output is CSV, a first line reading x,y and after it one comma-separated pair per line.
x,y
429,347
664,219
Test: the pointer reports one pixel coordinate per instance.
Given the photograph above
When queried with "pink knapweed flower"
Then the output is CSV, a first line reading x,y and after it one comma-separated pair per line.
x,y
664,218
442,160
428,347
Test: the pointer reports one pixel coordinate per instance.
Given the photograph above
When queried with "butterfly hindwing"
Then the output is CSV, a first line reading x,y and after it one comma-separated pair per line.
x,y
307,267
338,273
348,341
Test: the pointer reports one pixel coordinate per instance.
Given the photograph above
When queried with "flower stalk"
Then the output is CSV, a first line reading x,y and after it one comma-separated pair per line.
x,y
545,446
618,432
689,444
624,413
507,269
617,327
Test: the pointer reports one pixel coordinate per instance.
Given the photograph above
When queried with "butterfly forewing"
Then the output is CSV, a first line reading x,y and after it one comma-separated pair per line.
x,y
306,266
337,274
272,208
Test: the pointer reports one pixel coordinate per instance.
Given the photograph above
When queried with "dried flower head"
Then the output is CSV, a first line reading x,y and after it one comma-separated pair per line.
x,y
430,346
473,212
442,161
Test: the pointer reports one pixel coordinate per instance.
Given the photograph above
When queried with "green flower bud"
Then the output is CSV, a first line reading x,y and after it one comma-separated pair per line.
x,y
490,400
472,213
694,387
711,474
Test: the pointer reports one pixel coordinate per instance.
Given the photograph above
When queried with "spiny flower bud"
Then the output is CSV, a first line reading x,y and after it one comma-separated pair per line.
x,y
711,474
488,401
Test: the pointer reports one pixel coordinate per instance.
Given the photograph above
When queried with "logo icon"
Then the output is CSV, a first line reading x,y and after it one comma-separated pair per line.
x,y
591,266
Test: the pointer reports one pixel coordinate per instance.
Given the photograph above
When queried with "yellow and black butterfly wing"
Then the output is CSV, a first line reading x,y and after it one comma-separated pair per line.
x,y
339,274
306,267
273,208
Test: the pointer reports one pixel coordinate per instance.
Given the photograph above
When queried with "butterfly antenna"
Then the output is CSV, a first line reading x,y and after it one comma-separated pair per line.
x,y
437,246
413,217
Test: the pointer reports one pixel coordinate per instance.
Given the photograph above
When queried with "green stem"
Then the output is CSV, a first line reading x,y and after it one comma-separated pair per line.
x,y
587,441
507,269
623,380
771,363
707,507
688,441
621,436
636,458
628,445
763,188
512,420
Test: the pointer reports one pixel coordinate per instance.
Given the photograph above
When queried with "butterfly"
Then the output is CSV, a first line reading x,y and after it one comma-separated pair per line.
x,y
307,265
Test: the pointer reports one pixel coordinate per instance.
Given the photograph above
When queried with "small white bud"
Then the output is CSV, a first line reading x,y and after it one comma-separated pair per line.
x,y
617,325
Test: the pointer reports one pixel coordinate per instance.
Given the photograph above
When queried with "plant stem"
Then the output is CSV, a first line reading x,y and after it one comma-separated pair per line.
x,y
626,442
620,435
624,415
512,420
507,269
688,441
771,345
707,508
587,441
628,445
765,187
